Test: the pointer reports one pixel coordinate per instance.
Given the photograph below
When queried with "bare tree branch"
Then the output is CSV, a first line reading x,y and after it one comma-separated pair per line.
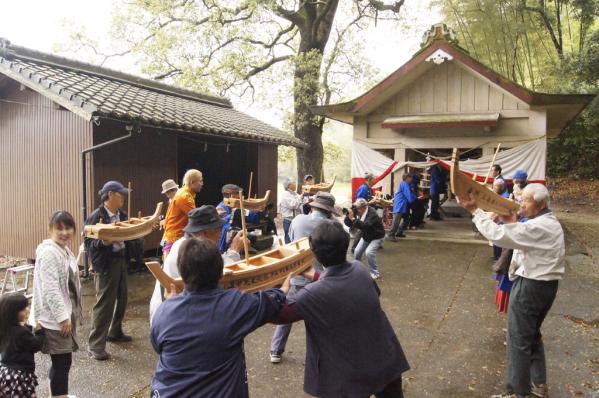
x,y
257,69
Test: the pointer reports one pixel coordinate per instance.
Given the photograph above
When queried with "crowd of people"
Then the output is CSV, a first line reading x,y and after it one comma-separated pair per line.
x,y
198,333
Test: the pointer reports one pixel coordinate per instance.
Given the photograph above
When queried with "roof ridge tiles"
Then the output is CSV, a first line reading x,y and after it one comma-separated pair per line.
x,y
9,50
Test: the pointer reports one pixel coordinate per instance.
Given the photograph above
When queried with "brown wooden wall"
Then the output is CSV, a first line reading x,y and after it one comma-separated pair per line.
x,y
40,169
145,160
155,155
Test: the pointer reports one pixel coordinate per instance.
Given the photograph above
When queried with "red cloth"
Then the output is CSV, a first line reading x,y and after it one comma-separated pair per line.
x,y
502,300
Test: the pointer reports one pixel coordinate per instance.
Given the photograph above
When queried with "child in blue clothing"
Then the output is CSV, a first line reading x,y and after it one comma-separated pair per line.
x,y
17,348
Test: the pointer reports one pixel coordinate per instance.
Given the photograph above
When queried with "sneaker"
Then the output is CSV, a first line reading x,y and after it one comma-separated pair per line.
x,y
539,390
400,236
99,356
275,358
374,276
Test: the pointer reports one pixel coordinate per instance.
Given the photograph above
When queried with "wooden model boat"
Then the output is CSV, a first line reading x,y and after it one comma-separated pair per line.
x,y
379,199
322,187
463,186
133,228
260,272
258,204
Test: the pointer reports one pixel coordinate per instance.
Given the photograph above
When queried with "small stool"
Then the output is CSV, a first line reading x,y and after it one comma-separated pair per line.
x,y
11,276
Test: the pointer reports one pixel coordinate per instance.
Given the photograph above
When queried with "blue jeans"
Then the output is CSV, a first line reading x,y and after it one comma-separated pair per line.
x,y
370,248
279,339
286,224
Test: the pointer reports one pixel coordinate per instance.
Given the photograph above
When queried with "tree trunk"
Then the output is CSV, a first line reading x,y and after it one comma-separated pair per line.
x,y
314,32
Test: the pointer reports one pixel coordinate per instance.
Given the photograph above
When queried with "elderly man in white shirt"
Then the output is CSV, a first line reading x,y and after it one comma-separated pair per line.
x,y
203,222
537,266
289,206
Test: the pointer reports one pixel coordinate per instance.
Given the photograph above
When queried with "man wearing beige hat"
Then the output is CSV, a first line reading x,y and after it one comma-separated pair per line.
x,y
169,188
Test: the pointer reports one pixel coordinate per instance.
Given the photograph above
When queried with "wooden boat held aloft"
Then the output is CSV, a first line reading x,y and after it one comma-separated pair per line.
x,y
322,187
463,186
133,228
379,199
257,204
263,271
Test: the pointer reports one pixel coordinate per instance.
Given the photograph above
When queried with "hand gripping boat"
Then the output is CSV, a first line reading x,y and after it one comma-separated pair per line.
x,y
322,187
463,186
133,228
260,272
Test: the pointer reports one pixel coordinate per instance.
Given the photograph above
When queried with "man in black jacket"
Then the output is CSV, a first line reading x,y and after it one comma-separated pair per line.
x,y
372,233
110,279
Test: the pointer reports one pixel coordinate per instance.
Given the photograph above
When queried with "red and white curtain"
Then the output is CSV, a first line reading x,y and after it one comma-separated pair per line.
x,y
530,157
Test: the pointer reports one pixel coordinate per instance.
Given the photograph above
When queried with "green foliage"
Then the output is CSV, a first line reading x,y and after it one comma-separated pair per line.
x,y
575,153
547,46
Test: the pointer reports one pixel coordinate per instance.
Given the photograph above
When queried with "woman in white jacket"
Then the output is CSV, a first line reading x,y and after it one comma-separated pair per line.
x,y
57,299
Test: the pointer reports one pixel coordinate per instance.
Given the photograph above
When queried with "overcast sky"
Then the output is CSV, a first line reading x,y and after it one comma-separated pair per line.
x,y
41,24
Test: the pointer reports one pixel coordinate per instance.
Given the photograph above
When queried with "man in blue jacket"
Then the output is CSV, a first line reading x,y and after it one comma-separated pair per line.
x,y
365,190
401,209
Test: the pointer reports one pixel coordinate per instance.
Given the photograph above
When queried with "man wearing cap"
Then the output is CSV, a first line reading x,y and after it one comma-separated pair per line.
x,y
183,202
365,190
203,222
108,262
520,180
308,180
322,208
226,213
372,233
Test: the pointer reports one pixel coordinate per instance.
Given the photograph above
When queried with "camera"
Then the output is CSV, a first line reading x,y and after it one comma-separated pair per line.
x,y
345,210
250,237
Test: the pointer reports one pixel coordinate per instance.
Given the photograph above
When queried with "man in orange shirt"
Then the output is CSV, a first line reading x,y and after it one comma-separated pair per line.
x,y
180,206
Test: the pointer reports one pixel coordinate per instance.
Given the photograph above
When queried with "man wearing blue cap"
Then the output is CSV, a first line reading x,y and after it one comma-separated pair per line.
x,y
110,279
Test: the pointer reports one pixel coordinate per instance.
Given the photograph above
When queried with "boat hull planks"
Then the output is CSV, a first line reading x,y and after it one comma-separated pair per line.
x,y
134,228
258,204
264,271
322,187
463,186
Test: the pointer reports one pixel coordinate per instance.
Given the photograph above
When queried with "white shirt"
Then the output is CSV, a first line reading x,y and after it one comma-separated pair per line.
x,y
538,244
290,204
170,268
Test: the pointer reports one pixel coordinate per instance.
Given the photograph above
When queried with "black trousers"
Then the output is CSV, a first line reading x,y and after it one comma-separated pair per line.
x,y
530,301
59,373
435,207
392,390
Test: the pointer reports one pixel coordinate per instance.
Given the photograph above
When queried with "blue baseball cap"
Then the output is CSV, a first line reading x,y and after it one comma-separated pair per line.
x,y
113,186
520,175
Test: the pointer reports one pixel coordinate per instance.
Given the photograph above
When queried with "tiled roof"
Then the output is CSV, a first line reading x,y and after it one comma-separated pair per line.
x,y
91,91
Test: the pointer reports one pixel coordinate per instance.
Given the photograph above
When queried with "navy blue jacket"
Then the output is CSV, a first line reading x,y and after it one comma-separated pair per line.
x,y
438,185
199,337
